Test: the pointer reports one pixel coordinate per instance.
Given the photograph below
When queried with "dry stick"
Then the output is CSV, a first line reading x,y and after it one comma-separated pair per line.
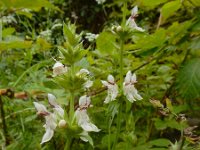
x,y
159,21
5,131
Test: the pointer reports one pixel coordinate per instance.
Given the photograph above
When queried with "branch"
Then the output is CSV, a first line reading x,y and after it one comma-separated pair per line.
x,y
5,131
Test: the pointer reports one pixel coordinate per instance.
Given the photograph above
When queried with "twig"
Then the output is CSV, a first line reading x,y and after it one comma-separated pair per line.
x,y
159,21
4,127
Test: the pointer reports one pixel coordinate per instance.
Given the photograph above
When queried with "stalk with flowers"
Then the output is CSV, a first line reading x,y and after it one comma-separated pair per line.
x,y
77,82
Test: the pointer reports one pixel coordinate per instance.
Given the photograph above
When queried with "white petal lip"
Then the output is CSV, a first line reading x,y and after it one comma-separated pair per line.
x,y
89,127
47,136
84,121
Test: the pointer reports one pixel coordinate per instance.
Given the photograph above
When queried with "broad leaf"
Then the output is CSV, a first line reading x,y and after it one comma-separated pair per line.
x,y
170,8
105,43
188,81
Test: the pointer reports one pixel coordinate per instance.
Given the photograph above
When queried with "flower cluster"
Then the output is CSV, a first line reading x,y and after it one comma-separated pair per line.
x,y
52,119
129,89
56,118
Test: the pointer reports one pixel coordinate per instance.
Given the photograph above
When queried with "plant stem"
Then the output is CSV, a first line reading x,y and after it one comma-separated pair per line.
x,y
121,65
121,92
68,144
71,111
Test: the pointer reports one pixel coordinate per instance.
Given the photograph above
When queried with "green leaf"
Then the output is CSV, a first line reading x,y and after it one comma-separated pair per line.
x,y
15,44
170,8
188,81
37,5
149,43
160,142
7,31
69,34
105,43
150,4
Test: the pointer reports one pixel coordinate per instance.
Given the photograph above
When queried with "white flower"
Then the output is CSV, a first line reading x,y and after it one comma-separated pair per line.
x,y
112,89
83,119
84,101
84,122
59,69
51,119
57,108
130,91
88,84
131,20
85,74
100,1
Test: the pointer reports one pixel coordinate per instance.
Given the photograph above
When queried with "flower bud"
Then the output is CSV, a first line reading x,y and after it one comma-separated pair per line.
x,y
62,123
119,28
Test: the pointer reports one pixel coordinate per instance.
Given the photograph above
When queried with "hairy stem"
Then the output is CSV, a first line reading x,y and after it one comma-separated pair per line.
x,y
121,91
68,144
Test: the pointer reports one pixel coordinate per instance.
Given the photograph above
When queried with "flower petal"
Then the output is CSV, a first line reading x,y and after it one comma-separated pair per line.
x,y
133,78
59,111
111,79
40,107
88,84
84,101
52,100
88,126
128,77
105,83
47,136
134,11
50,121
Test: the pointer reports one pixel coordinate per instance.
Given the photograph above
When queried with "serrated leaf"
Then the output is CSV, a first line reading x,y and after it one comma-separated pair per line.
x,y
69,34
188,81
